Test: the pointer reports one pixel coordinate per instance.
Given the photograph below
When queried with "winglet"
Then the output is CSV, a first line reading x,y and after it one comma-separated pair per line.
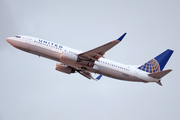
x,y
120,38
99,77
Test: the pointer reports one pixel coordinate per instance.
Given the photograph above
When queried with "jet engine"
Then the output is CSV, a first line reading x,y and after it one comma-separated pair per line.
x,y
64,68
68,57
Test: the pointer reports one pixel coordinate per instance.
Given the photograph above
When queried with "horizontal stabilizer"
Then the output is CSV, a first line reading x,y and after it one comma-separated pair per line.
x,y
159,83
160,74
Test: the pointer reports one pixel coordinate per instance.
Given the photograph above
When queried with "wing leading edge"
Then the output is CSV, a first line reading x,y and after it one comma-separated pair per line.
x,y
98,52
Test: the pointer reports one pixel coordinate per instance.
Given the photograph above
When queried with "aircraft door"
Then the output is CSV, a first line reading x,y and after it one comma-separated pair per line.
x,y
136,73
28,40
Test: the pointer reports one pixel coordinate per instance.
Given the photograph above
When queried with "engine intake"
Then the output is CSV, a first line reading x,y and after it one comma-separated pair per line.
x,y
64,68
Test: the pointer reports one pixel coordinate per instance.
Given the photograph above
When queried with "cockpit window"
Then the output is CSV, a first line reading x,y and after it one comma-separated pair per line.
x,y
18,36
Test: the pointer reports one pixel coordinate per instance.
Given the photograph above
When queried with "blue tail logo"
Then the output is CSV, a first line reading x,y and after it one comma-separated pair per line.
x,y
158,63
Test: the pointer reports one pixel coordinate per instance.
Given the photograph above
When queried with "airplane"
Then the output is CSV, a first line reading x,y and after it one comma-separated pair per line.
x,y
93,61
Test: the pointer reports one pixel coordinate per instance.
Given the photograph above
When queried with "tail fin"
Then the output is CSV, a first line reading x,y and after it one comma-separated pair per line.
x,y
158,63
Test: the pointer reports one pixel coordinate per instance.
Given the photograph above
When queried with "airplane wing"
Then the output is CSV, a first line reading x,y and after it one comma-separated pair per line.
x,y
88,75
96,53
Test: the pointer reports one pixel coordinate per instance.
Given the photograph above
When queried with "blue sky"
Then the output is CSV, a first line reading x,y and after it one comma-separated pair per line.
x,y
31,88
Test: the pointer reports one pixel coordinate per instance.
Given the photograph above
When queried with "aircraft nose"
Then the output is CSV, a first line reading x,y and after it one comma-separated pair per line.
x,y
9,40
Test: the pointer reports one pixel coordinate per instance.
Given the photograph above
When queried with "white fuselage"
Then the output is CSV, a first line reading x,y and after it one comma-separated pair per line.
x,y
102,66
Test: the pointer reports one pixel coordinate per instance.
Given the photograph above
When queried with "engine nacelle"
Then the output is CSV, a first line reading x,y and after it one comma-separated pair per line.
x,y
64,68
68,57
